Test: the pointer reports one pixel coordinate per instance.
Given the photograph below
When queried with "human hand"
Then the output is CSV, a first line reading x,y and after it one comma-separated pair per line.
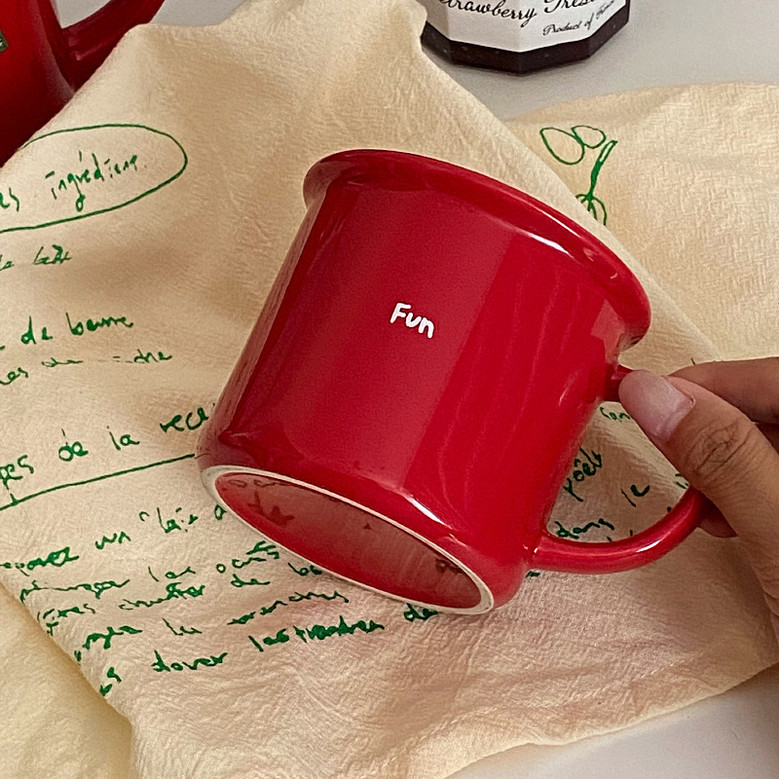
x,y
718,424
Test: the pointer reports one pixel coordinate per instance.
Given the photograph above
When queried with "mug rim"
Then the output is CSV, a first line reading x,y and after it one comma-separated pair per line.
x,y
211,475
500,200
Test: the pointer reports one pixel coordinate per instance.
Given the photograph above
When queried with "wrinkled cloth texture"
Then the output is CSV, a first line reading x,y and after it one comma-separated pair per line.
x,y
129,294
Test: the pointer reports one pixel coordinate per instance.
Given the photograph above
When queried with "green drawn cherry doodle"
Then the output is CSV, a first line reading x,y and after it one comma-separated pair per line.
x,y
570,147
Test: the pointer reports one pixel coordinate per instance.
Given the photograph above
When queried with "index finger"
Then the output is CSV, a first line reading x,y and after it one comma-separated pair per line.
x,y
750,385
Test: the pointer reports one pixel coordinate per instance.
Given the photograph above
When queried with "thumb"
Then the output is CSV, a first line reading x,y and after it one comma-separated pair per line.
x,y
721,452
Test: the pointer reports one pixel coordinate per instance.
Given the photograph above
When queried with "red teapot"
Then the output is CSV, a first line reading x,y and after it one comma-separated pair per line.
x,y
42,63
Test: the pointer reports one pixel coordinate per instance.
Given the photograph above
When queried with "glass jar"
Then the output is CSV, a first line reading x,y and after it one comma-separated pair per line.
x,y
521,35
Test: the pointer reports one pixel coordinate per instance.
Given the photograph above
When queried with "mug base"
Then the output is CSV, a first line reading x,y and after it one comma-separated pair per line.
x,y
348,540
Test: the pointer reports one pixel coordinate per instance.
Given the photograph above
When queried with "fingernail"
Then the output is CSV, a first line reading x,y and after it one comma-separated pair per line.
x,y
655,404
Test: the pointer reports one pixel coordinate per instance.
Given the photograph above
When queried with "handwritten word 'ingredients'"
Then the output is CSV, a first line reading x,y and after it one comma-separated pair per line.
x,y
90,171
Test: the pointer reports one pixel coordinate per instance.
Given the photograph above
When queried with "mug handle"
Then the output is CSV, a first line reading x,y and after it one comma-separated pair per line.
x,y
559,554
87,43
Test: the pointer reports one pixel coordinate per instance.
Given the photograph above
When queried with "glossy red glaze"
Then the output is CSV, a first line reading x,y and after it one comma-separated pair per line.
x,y
41,64
414,392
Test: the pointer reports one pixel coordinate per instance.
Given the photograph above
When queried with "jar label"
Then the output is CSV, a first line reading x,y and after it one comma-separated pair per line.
x,y
519,25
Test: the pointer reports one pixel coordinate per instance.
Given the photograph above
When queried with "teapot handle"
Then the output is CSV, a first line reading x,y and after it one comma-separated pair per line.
x,y
87,43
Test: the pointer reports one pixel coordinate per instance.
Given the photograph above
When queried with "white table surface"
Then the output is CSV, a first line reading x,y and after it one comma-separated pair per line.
x,y
731,736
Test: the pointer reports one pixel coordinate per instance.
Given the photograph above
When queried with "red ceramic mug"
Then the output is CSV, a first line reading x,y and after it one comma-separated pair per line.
x,y
414,392
41,64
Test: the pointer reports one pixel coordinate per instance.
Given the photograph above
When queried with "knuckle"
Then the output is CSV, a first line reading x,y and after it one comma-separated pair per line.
x,y
717,449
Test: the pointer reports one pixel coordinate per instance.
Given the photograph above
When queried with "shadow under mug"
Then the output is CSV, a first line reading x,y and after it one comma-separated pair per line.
x,y
412,396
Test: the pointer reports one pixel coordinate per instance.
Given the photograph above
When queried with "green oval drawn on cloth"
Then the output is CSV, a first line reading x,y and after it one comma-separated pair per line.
x,y
91,170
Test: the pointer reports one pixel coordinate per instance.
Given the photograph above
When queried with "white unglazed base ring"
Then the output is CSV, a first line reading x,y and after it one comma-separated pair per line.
x,y
210,475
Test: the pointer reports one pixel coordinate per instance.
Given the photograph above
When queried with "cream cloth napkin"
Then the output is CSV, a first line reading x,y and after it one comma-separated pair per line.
x,y
136,253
